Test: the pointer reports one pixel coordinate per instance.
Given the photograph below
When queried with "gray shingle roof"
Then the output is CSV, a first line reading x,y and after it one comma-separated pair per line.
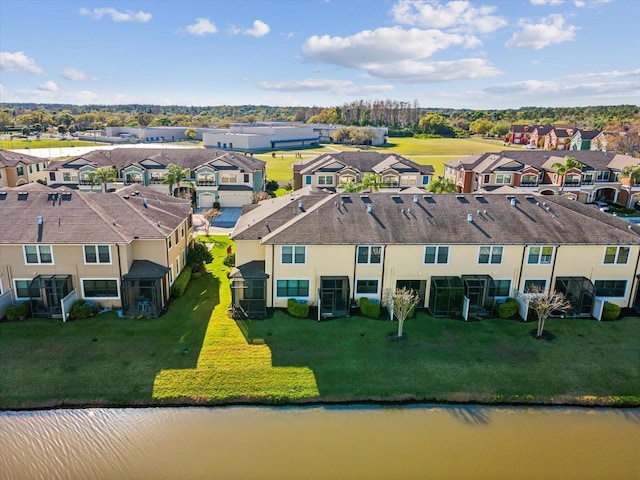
x,y
437,219
88,218
11,159
362,161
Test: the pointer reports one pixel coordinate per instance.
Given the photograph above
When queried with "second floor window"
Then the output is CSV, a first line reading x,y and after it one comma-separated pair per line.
x,y
540,255
602,176
503,178
97,254
229,178
616,255
490,255
325,180
369,254
38,254
66,177
406,180
436,254
19,171
293,254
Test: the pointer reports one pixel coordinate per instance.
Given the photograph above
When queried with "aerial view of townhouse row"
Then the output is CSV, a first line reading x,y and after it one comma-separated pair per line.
x,y
519,218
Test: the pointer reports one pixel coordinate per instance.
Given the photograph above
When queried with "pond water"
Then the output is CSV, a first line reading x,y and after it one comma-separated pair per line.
x,y
422,442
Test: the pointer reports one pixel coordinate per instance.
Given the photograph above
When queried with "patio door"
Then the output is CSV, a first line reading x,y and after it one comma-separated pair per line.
x,y
334,296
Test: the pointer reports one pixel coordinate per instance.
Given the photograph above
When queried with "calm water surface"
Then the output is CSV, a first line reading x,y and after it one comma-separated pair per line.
x,y
321,442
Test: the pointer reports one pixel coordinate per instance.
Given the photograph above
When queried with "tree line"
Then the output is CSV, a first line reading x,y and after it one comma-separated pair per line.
x,y
401,117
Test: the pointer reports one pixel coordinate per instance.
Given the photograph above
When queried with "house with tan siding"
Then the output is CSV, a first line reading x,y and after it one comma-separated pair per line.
x,y
19,169
461,253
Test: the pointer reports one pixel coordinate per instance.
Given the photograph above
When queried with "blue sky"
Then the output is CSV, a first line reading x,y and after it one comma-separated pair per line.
x,y
478,54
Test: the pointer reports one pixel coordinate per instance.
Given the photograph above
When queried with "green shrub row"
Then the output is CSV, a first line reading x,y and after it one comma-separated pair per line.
x,y
83,309
369,308
181,283
508,309
297,309
18,311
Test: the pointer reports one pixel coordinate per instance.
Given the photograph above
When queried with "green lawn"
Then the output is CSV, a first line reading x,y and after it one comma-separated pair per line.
x,y
20,144
195,354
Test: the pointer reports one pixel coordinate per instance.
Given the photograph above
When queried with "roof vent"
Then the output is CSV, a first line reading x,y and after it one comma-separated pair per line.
x,y
126,197
415,199
470,217
144,202
369,207
402,210
40,220
513,201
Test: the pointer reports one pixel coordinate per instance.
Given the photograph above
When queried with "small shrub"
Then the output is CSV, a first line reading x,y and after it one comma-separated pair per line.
x,y
230,260
83,309
610,311
18,311
508,309
181,283
297,309
369,308
216,205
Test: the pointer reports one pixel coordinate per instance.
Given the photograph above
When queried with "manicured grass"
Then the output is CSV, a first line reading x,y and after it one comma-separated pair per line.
x,y
196,354
19,144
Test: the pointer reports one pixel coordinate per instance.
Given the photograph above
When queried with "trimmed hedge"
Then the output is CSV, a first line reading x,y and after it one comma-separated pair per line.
x,y
369,308
610,311
297,309
18,311
181,283
508,309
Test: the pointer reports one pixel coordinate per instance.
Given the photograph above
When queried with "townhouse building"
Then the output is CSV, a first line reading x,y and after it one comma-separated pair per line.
x,y
532,171
19,169
228,178
121,250
461,253
335,170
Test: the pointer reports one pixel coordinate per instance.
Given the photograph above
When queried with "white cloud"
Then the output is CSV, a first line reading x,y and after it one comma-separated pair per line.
x,y
384,45
540,35
459,15
343,87
18,61
48,86
425,72
565,90
577,3
611,74
203,26
259,29
116,16
546,2
74,74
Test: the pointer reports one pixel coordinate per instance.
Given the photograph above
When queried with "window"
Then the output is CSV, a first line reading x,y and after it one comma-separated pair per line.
x,y
541,255
38,254
97,254
347,179
436,254
182,231
486,179
503,288
366,287
406,180
610,288
618,255
37,167
175,236
602,176
66,177
292,288
490,255
307,180
229,178
325,180
169,243
503,178
369,254
100,288
529,180
425,180
30,169
20,171
541,284
22,288
293,254
246,178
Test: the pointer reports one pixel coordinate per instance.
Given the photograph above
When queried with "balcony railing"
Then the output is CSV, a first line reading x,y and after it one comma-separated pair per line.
x,y
206,183
131,181
156,181
587,181
529,184
389,185
572,183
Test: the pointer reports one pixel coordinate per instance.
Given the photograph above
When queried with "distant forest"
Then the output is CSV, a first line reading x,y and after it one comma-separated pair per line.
x,y
402,118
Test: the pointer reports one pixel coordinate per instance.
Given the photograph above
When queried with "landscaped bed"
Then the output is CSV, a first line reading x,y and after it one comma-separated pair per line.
x,y
195,354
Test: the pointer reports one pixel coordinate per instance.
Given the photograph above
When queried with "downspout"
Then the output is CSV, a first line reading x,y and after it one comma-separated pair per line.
x,y
384,264
634,282
120,275
553,267
273,286
524,252
355,263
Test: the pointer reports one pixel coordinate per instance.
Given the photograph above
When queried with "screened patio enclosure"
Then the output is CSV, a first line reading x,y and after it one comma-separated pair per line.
x,y
481,291
333,296
580,292
249,290
446,297
418,286
143,289
46,293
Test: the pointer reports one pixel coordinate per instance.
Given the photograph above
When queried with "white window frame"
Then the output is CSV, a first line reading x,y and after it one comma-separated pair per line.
x,y
229,178
360,295
39,262
539,260
369,252
503,179
491,254
626,286
534,279
437,247
97,262
510,280
407,180
302,297
15,288
293,255
117,280
325,180
617,255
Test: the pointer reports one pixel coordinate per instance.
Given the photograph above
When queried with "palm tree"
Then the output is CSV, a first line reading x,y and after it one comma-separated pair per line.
x,y
103,175
175,176
562,168
632,172
371,181
442,185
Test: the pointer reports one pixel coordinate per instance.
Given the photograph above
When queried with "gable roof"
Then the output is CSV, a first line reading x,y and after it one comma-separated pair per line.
x,y
437,220
362,161
11,159
73,217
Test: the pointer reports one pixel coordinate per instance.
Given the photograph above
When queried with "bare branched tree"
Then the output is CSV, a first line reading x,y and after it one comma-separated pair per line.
x,y
401,302
544,303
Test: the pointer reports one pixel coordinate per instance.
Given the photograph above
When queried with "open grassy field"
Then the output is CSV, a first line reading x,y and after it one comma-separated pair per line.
x,y
428,151
196,354
20,144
